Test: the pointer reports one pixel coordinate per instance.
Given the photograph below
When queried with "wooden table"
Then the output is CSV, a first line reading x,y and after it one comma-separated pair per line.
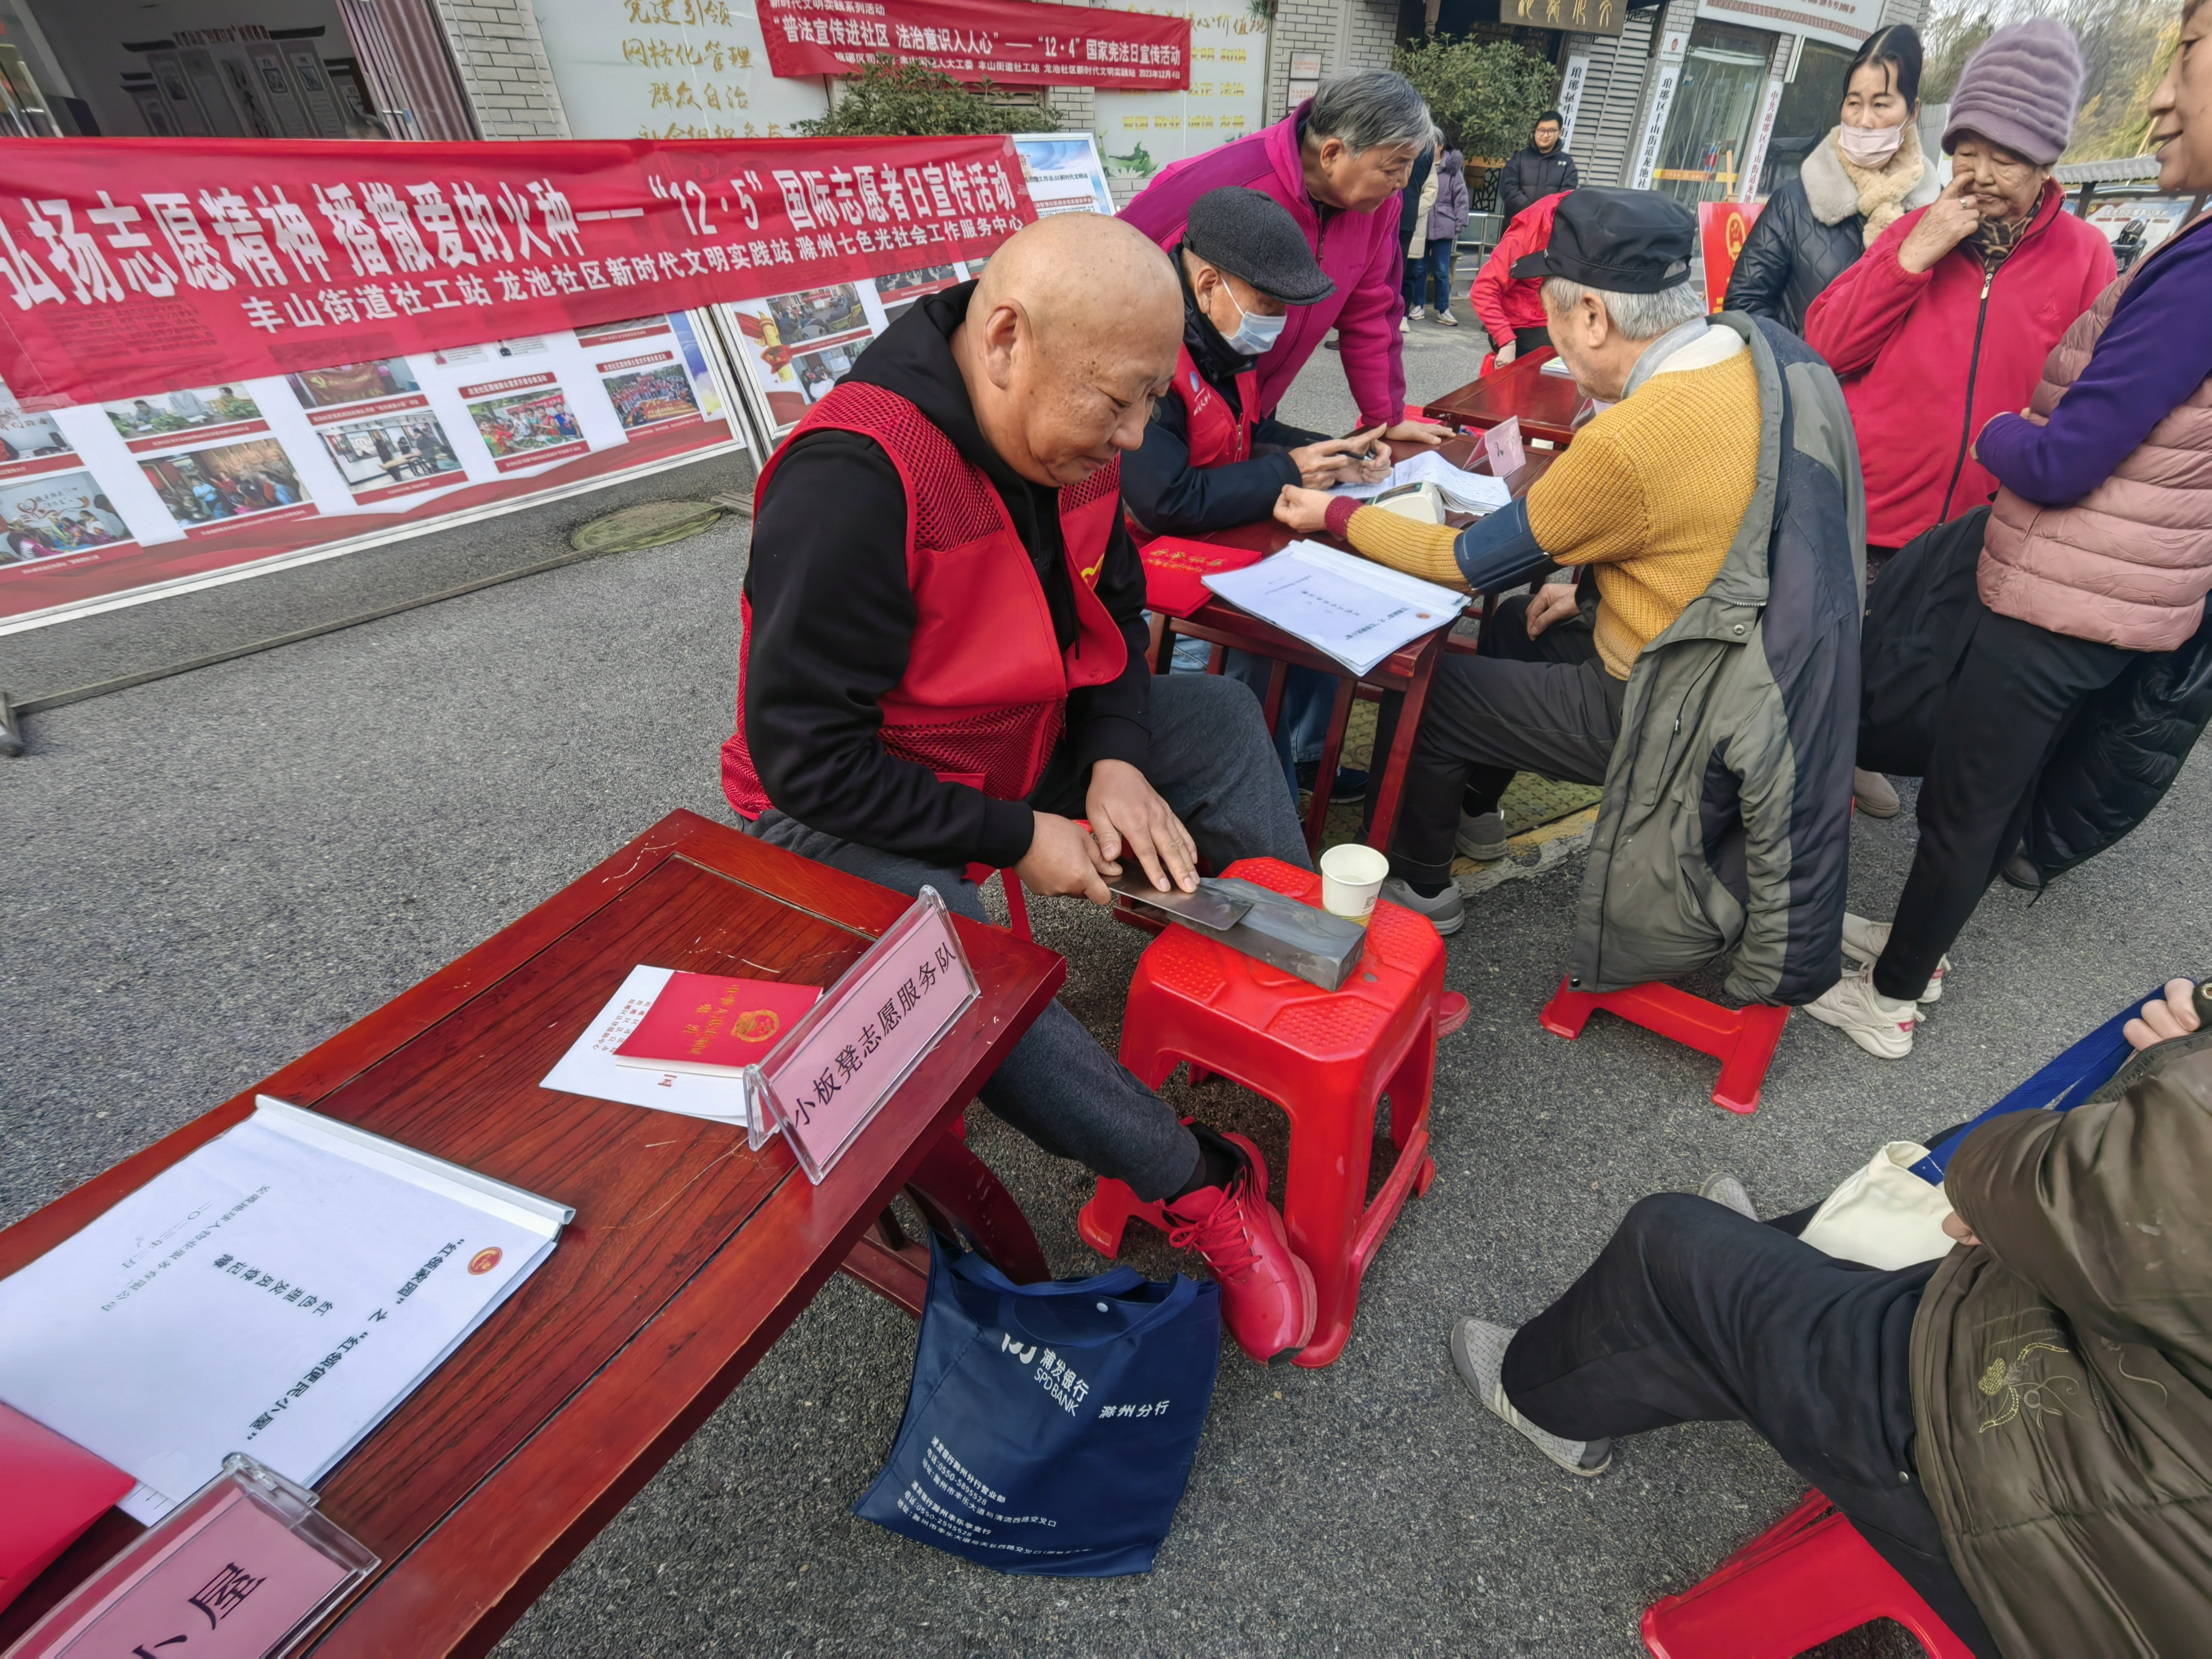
x,y
1408,671
689,1253
1546,403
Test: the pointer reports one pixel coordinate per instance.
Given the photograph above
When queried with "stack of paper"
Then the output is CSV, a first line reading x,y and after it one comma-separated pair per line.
x,y
1355,611
1463,491
278,1292
1557,366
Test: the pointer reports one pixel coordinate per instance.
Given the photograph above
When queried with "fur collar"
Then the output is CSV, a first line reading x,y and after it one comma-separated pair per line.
x,y
1835,189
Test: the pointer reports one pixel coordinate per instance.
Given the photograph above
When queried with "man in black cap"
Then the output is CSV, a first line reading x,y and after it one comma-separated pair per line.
x,y
1665,497
1212,459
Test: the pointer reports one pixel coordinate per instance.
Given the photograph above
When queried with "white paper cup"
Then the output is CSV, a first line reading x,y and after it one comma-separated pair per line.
x,y
1350,877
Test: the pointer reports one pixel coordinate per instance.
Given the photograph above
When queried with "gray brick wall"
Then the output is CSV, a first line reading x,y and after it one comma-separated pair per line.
x,y
1349,34
502,65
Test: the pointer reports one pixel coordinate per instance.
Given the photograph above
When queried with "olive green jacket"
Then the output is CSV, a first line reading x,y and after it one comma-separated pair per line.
x,y
2062,1369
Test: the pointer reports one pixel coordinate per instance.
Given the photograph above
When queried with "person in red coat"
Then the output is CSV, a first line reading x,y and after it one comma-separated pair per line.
x,y
1512,308
1947,321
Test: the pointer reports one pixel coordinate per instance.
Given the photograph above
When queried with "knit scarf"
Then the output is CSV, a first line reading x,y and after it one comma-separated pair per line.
x,y
1882,190
1993,238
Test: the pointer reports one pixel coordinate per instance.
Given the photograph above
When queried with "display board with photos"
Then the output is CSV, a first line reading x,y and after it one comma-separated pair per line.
x,y
794,347
139,492
1141,133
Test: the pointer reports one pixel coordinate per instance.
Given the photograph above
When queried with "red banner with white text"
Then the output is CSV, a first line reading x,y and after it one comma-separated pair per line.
x,y
129,265
1012,42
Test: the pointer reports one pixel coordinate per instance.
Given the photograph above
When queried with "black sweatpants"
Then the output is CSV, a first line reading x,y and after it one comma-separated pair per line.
x,y
1694,1314
1545,705
2015,691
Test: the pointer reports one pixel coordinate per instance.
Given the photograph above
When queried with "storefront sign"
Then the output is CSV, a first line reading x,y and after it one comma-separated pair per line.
x,y
1839,22
1012,42
1722,229
134,265
1762,131
1578,16
1655,124
1572,79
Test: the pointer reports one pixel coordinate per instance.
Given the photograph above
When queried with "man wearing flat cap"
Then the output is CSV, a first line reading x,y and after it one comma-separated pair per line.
x,y
1706,672
1210,459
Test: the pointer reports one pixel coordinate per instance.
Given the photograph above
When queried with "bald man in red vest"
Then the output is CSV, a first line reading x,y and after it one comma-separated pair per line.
x,y
944,665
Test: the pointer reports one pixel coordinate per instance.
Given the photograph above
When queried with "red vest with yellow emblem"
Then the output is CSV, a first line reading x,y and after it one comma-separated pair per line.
x,y
1219,435
984,696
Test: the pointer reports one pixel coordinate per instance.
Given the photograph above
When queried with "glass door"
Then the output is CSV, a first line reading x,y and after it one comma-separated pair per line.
x,y
1723,79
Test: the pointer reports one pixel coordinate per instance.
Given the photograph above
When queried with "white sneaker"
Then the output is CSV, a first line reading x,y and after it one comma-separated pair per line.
x,y
1865,941
1853,1006
1404,327
1415,313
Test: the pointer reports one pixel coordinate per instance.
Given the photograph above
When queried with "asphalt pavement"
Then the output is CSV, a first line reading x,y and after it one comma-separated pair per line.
x,y
206,876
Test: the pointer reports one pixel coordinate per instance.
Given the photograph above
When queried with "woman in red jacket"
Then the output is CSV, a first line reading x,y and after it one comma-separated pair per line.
x,y
1947,321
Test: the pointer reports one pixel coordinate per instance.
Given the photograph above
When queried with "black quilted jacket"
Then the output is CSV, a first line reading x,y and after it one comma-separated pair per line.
x,y
1790,257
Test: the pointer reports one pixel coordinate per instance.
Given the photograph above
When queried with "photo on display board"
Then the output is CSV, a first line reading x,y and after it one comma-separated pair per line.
x,y
389,453
537,419
818,371
161,413
648,396
27,437
350,383
912,284
49,517
231,481
818,314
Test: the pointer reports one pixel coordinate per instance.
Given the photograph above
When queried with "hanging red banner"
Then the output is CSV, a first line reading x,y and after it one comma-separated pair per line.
x,y
129,265
1012,42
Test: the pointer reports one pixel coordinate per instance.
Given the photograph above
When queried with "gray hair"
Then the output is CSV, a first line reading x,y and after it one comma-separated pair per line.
x,y
1637,316
1371,107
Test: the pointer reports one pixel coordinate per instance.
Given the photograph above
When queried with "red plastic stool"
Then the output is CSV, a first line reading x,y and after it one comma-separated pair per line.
x,y
1326,1057
1806,1578
1742,1039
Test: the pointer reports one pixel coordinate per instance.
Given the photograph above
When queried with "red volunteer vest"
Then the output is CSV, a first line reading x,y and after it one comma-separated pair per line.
x,y
985,694
1218,437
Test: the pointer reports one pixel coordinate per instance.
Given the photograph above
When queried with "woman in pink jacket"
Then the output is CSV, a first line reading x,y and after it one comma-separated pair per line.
x,y
2059,639
1947,318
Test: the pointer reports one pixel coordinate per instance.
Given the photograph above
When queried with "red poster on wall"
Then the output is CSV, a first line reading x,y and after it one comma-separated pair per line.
x,y
136,265
1722,229
1012,42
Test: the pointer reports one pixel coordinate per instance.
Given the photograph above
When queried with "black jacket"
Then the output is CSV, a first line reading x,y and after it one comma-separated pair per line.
x,y
1808,234
1170,496
1531,176
833,616
2115,761
1409,200
1790,257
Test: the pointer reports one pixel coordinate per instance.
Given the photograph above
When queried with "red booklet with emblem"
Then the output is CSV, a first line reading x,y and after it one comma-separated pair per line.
x,y
1175,567
715,1025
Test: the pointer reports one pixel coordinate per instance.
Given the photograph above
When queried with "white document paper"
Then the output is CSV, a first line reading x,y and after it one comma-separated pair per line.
x,y
1464,491
1557,366
277,1292
589,1068
1356,611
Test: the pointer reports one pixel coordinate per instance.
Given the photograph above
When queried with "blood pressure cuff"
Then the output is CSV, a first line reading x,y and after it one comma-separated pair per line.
x,y
1500,550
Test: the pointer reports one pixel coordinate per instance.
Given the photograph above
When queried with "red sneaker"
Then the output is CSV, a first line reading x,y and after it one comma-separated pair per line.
x,y
1266,1293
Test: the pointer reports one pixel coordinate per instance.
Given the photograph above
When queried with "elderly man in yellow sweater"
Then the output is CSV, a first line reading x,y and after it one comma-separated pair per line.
x,y
1650,495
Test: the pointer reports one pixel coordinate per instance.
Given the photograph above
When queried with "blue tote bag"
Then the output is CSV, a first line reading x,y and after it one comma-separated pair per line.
x,y
1050,1428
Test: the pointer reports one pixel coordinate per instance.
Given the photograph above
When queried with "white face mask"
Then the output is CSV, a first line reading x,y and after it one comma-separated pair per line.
x,y
1256,336
1870,147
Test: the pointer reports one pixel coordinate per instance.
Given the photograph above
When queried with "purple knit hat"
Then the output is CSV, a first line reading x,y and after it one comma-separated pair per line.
x,y
2020,90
